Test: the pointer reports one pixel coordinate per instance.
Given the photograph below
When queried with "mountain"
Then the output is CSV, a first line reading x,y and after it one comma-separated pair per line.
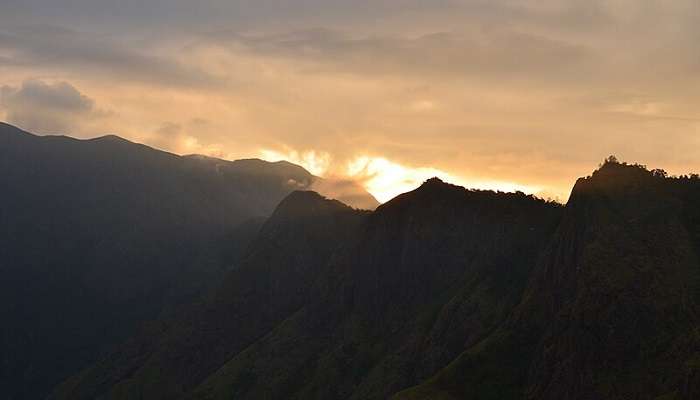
x,y
335,303
611,311
444,293
441,293
98,236
281,272
290,176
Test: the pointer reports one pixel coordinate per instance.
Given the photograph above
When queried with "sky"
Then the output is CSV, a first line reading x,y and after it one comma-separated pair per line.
x,y
497,94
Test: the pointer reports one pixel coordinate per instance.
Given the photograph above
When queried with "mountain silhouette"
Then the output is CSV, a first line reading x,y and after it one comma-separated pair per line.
x,y
444,293
132,273
371,305
611,311
98,236
282,271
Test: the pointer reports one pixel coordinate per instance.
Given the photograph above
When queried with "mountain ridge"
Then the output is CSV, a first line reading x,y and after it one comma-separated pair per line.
x,y
356,195
440,293
590,308
356,289
449,293
267,284
100,236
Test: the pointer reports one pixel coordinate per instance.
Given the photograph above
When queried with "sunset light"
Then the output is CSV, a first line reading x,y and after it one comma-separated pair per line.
x,y
350,199
383,178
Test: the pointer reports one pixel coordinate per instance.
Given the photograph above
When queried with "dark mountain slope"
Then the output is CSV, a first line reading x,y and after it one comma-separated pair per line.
x,y
451,293
612,310
393,300
281,272
433,271
97,236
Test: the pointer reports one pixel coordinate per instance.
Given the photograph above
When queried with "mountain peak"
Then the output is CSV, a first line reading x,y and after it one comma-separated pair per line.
x,y
619,177
307,203
110,139
433,189
437,184
433,181
621,169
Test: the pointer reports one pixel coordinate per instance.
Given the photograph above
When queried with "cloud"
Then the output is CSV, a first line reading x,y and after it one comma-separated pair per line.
x,y
513,93
47,107
173,137
346,190
569,47
50,48
315,162
383,178
488,53
174,15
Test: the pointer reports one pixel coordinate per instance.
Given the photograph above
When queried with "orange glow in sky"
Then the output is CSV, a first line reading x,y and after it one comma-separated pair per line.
x,y
383,178
510,95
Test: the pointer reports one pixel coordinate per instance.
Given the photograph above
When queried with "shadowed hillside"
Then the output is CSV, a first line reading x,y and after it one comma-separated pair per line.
x,y
611,312
97,236
380,303
446,293
441,293
283,270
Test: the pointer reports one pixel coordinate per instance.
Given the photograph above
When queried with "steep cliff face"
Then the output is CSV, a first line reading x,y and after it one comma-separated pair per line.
x,y
626,325
611,312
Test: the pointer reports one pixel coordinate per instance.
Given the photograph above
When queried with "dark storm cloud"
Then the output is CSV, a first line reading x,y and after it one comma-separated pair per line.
x,y
46,108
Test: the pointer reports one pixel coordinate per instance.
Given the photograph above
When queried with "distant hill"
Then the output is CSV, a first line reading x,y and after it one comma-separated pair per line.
x,y
98,236
443,293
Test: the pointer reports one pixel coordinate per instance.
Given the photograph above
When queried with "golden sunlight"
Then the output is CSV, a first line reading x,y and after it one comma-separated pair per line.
x,y
383,178
315,162
386,179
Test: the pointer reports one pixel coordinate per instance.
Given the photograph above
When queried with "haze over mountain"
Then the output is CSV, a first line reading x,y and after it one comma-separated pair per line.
x,y
443,293
98,236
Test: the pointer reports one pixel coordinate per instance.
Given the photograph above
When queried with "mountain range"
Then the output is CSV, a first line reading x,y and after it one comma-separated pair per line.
x,y
441,293
98,236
